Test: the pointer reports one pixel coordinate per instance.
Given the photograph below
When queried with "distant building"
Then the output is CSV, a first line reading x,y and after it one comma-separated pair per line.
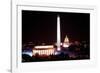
x,y
44,50
66,42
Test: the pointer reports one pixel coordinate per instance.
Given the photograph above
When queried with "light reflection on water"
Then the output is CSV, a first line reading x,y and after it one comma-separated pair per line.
x,y
28,53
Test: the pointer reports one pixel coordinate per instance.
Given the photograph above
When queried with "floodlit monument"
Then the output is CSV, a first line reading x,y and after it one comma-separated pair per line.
x,y
58,34
66,42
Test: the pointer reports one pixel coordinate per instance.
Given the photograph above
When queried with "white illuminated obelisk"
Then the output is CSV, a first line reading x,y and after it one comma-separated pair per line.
x,y
58,33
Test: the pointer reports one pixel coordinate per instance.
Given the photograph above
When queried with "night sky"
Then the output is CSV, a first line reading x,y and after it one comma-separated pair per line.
x,y
41,27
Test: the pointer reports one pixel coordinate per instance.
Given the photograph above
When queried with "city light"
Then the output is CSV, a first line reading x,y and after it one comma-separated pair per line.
x,y
47,46
55,36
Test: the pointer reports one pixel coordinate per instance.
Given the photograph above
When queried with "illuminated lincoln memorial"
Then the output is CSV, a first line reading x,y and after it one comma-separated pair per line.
x,y
44,50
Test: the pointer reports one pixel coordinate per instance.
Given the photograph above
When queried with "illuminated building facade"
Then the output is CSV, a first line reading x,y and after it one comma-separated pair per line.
x,y
43,50
66,42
